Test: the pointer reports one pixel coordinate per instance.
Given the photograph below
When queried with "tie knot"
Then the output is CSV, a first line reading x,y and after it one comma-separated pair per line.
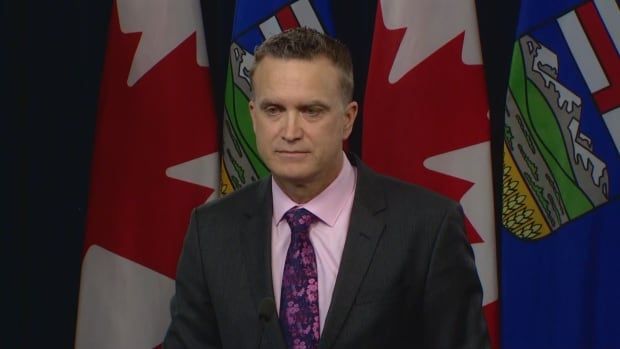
x,y
299,219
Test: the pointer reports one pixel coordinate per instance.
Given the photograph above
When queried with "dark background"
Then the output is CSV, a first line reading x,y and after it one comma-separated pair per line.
x,y
51,59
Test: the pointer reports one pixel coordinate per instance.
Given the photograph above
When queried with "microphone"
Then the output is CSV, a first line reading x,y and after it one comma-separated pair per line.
x,y
266,310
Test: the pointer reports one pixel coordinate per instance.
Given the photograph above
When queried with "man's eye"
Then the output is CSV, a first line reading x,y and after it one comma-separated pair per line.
x,y
272,110
312,112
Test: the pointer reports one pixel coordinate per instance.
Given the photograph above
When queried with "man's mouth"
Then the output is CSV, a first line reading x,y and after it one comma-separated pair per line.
x,y
292,153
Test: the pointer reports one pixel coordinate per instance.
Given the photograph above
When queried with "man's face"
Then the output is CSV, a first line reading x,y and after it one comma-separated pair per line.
x,y
300,119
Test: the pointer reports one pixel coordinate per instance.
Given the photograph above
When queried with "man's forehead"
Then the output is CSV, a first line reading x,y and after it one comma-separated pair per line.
x,y
273,60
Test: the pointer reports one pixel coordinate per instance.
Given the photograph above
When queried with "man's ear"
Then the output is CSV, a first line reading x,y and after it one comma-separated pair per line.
x,y
252,108
350,113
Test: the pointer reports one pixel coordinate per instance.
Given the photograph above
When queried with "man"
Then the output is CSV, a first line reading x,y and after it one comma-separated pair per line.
x,y
348,258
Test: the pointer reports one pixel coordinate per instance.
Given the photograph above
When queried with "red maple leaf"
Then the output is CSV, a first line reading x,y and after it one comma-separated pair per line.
x,y
165,119
438,106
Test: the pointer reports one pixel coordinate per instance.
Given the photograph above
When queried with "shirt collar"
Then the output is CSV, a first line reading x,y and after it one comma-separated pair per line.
x,y
328,205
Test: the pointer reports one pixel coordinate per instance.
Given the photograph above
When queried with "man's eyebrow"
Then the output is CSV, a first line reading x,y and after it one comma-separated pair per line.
x,y
313,104
266,103
310,104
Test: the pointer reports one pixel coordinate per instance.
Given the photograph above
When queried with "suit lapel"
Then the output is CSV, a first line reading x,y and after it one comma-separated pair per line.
x,y
365,228
255,237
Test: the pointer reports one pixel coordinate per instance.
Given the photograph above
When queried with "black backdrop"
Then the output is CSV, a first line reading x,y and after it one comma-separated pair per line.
x,y
51,57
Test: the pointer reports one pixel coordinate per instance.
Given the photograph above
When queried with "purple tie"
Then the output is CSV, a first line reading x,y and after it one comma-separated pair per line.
x,y
299,301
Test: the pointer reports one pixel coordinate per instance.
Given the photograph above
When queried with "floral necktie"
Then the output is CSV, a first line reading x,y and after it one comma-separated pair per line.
x,y
299,301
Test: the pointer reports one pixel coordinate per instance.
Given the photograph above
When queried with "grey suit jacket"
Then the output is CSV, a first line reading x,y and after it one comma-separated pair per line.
x,y
407,277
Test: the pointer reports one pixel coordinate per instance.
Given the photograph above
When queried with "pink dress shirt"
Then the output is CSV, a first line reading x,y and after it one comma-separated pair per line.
x,y
333,208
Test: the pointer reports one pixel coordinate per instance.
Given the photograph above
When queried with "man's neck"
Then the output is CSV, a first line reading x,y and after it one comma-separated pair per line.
x,y
303,191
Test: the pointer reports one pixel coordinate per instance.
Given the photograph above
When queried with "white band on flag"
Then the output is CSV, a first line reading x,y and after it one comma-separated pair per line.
x,y
610,13
581,49
270,27
306,16
122,304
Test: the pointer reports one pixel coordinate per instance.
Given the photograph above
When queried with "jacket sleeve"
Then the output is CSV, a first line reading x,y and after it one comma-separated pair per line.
x,y
453,315
193,322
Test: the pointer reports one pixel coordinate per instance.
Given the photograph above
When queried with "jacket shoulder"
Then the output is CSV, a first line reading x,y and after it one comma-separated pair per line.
x,y
240,201
375,186
401,195
398,190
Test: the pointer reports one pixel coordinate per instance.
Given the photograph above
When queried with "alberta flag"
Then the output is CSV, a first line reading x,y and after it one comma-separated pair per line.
x,y
155,158
426,116
561,178
254,22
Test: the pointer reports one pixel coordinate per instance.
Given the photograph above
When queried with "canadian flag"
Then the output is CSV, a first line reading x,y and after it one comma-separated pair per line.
x,y
426,116
155,158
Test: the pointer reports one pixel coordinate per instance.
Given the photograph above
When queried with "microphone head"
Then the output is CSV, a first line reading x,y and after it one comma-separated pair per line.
x,y
266,309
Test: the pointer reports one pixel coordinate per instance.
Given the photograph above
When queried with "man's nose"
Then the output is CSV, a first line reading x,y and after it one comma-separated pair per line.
x,y
292,129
